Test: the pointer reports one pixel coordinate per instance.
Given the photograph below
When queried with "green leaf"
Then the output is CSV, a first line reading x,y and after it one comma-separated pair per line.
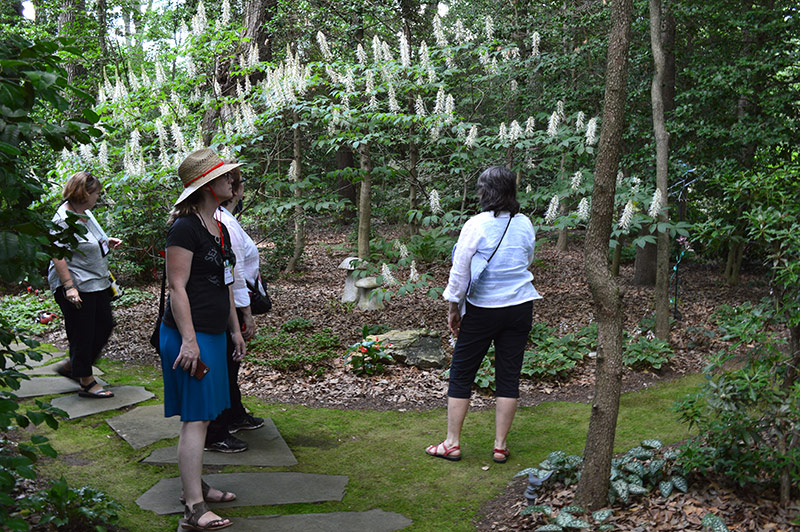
x,y
635,489
573,509
537,509
680,483
652,444
601,515
549,528
715,523
665,487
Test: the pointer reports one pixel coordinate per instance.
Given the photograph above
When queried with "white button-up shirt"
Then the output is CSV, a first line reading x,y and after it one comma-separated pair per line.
x,y
506,280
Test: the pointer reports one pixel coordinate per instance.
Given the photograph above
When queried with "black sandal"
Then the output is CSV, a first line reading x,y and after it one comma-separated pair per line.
x,y
227,496
102,394
192,517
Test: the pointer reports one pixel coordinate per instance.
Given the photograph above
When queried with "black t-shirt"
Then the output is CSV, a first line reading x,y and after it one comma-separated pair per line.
x,y
208,295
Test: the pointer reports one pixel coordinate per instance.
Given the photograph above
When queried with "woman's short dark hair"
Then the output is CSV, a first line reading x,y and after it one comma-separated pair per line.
x,y
497,190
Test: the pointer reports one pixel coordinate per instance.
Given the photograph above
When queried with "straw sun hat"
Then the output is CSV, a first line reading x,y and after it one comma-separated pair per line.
x,y
200,168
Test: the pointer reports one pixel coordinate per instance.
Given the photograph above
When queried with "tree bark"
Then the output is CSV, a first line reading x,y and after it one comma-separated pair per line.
x,y
364,201
413,201
68,26
102,28
644,267
344,186
256,16
662,172
299,213
592,490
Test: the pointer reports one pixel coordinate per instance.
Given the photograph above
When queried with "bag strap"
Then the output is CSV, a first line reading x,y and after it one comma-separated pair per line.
x,y
163,290
510,217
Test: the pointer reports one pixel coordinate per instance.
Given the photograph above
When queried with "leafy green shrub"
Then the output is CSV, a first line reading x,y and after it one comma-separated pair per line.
x,y
647,353
639,471
133,296
21,311
71,509
553,356
297,325
367,357
431,244
746,418
566,519
291,348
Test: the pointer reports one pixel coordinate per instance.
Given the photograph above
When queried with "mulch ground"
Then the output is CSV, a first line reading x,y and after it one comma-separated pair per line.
x,y
315,292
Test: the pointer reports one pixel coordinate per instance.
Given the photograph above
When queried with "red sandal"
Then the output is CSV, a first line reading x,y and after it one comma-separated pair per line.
x,y
447,454
503,452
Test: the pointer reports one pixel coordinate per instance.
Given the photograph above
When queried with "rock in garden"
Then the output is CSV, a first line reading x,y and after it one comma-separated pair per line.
x,y
415,347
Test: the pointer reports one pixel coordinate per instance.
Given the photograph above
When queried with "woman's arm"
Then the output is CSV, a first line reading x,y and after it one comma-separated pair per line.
x,y
179,266
240,350
62,270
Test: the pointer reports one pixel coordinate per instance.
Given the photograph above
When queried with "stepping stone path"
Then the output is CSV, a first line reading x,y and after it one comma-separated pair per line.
x,y
266,448
145,425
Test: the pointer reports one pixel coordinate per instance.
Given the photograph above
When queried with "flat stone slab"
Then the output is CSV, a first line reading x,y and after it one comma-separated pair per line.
x,y
267,448
38,386
371,521
76,406
50,369
251,489
145,425
47,357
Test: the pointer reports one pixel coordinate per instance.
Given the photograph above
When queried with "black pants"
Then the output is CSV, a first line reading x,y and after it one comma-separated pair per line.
x,y
508,327
88,328
218,429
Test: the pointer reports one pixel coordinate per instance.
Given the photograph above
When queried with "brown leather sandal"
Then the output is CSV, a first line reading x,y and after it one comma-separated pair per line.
x,y
227,496
191,518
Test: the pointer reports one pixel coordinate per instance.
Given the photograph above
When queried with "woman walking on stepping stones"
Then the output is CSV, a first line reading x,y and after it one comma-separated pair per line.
x,y
491,300
198,313
81,284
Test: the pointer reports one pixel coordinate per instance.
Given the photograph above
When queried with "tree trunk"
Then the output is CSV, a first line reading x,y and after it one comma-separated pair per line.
x,y
644,267
592,490
364,201
344,185
662,172
256,16
299,213
561,243
102,28
68,26
616,258
413,202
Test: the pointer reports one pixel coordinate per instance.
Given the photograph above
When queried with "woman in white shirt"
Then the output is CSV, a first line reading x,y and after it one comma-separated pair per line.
x,y
491,300
219,436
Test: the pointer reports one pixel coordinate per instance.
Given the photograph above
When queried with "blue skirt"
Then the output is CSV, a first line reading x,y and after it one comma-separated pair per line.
x,y
193,399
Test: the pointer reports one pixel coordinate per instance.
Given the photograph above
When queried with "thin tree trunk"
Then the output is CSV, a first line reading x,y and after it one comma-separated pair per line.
x,y
662,175
561,243
102,25
413,202
71,11
644,267
299,213
592,490
364,201
344,185
616,258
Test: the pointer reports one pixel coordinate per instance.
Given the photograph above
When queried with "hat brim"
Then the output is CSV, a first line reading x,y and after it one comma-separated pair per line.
x,y
200,183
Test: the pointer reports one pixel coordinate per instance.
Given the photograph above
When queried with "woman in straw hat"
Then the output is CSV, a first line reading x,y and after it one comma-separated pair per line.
x,y
192,336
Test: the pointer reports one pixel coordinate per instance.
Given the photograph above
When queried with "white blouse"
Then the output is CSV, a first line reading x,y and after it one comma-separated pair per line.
x,y
246,252
506,280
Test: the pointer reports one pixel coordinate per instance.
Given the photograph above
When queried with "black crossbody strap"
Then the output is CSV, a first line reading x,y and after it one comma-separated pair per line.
x,y
510,217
